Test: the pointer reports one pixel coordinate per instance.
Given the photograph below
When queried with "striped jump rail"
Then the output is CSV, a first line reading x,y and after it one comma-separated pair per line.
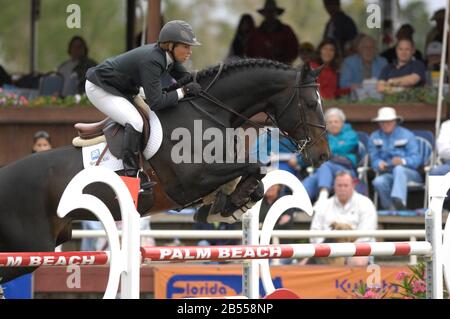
x,y
215,253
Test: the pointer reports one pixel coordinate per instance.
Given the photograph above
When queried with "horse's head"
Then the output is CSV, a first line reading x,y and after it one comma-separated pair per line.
x,y
301,116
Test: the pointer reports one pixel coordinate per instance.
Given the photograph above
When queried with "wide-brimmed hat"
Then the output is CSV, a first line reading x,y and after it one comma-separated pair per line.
x,y
387,113
439,14
271,5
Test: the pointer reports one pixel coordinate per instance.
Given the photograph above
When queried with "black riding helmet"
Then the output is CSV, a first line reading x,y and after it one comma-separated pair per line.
x,y
178,31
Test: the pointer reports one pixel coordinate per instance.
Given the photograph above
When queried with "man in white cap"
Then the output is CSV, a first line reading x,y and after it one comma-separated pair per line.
x,y
394,154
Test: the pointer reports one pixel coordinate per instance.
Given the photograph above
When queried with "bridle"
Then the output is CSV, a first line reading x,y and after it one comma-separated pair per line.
x,y
300,144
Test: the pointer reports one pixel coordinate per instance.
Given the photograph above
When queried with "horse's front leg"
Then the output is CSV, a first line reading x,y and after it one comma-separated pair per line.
x,y
230,208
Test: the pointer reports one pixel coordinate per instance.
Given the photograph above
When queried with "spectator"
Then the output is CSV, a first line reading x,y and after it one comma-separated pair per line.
x,y
270,197
394,155
276,151
346,208
245,27
443,150
405,31
306,52
77,64
365,64
5,78
41,142
433,52
437,32
272,39
343,142
404,72
328,56
340,27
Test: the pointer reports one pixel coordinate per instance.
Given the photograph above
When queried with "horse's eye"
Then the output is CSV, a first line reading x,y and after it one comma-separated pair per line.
x,y
311,104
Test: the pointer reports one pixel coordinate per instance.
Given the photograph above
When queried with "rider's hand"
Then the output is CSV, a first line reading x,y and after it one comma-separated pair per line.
x,y
192,89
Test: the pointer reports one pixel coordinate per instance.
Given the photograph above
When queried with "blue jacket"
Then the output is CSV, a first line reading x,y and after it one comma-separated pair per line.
x,y
352,70
345,143
401,142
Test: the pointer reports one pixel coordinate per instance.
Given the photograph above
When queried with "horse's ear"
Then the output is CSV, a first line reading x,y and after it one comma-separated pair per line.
x,y
305,71
315,73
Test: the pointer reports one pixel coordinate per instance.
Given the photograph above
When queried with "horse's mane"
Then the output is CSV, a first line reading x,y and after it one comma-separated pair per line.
x,y
238,64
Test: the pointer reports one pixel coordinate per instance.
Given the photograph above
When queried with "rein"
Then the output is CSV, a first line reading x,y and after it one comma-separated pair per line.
x,y
300,145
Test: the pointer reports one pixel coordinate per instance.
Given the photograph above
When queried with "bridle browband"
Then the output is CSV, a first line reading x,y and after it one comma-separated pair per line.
x,y
300,144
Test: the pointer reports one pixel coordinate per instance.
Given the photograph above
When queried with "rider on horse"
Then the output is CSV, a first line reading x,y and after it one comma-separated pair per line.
x,y
112,85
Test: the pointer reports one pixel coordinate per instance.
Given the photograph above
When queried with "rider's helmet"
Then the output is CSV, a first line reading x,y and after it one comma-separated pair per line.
x,y
178,31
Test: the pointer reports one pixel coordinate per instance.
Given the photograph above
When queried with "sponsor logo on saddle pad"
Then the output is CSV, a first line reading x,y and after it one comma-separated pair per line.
x,y
196,286
95,154
92,153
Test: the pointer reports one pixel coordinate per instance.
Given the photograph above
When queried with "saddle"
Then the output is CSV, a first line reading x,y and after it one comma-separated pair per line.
x,y
112,132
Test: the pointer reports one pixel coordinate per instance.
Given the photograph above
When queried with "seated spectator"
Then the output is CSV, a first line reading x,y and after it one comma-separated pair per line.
x,y
343,142
433,58
286,220
273,39
394,155
5,78
405,31
245,27
328,56
341,28
77,64
276,152
41,142
366,64
443,150
270,197
306,52
405,72
347,209
437,32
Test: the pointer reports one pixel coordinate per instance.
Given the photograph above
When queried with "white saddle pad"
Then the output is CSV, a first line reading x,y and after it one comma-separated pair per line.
x,y
92,153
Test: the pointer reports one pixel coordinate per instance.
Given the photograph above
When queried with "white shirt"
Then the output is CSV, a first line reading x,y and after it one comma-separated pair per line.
x,y
443,141
359,212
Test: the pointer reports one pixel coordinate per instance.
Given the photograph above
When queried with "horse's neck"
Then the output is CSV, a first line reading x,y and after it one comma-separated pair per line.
x,y
246,94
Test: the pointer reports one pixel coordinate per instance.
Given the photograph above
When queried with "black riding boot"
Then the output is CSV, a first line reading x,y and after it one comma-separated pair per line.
x,y
130,158
131,142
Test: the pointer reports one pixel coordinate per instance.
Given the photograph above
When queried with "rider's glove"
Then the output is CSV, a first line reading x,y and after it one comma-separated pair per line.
x,y
192,89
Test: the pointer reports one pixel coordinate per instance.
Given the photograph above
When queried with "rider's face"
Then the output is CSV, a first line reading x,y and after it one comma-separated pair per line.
x,y
182,52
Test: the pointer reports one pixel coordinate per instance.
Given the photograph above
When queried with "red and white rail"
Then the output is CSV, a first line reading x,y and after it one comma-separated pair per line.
x,y
243,252
220,253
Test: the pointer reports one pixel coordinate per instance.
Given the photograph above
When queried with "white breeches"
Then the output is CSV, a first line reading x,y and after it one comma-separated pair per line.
x,y
116,107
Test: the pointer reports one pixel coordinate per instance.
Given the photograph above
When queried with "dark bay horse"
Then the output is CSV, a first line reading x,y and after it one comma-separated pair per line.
x,y
30,189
